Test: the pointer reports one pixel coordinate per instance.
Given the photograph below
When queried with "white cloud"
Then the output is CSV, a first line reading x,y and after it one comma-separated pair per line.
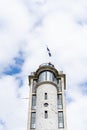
x,y
13,110
77,114
15,21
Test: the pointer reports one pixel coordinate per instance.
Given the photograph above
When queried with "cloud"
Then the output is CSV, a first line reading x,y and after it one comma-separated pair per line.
x,y
12,106
2,123
15,66
15,23
77,114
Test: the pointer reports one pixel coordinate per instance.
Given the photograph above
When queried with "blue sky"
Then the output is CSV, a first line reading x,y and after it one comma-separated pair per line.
x,y
15,68
26,27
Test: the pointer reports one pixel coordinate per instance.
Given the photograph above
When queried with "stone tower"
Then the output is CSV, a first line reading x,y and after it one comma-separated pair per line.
x,y
46,99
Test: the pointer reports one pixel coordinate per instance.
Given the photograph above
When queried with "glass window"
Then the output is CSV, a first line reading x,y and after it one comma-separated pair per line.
x,y
33,119
50,76
46,114
46,76
33,101
60,119
59,85
60,105
34,86
45,96
42,76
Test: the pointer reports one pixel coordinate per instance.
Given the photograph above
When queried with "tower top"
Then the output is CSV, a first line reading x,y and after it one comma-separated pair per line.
x,y
47,64
47,67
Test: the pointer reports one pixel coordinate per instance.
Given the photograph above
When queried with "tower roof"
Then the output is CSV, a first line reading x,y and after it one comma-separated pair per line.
x,y
47,67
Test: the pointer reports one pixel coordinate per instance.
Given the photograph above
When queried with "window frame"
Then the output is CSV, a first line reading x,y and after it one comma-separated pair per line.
x,y
60,119
59,82
33,120
47,76
33,101
34,86
60,101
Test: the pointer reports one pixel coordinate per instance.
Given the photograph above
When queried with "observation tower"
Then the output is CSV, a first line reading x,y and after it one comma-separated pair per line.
x,y
47,109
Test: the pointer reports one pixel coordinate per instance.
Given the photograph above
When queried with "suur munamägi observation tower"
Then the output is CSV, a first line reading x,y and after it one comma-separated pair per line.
x,y
46,99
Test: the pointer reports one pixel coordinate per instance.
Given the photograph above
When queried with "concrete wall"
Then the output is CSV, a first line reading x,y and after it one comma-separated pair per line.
x,y
51,123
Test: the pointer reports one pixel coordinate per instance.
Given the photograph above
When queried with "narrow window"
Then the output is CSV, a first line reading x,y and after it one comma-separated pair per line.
x,y
33,119
60,120
59,85
60,105
48,76
33,101
34,86
45,96
46,114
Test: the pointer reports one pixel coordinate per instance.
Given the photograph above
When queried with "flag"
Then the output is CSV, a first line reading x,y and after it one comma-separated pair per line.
x,y
49,53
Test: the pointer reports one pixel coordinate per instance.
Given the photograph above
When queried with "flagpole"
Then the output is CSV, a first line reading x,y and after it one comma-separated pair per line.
x,y
49,53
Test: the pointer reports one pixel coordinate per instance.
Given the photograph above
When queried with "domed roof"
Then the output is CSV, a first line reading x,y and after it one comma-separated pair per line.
x,y
47,67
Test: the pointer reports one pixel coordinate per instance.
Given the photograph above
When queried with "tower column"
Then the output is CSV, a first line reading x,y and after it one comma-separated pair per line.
x,y
46,115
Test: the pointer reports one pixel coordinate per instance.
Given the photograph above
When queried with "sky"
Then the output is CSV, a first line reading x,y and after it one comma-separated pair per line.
x,y
26,28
